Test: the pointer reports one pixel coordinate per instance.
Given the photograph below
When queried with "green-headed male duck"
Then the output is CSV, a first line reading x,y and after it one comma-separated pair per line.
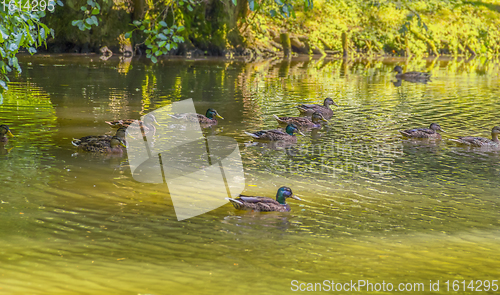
x,y
265,204
276,134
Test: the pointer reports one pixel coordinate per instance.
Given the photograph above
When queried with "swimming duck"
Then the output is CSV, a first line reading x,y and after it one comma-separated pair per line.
x,y
309,109
265,204
148,123
112,146
4,130
303,122
481,141
276,134
411,75
430,132
120,133
209,119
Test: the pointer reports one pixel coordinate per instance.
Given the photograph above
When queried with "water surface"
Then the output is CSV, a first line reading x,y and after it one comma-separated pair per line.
x,y
376,207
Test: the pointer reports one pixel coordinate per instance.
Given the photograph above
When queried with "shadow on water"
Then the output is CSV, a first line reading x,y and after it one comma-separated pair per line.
x,y
375,206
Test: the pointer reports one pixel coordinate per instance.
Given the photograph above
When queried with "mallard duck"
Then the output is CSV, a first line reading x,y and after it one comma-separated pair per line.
x,y
209,119
303,122
309,109
4,130
276,134
430,132
265,204
120,133
480,141
411,75
149,122
111,146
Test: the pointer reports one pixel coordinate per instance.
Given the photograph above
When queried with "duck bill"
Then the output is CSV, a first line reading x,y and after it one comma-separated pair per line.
x,y
219,116
10,134
123,145
323,119
300,132
335,104
442,130
296,198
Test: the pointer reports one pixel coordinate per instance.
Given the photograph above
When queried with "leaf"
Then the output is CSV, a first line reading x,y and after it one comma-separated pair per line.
x,y
163,37
127,34
94,19
90,2
89,21
162,43
95,11
4,85
180,29
235,3
31,50
13,47
75,22
153,59
163,24
158,53
191,8
83,8
251,4
59,2
273,12
137,23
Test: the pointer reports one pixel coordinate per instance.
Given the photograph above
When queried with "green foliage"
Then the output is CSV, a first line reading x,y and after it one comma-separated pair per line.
x,y
90,12
20,27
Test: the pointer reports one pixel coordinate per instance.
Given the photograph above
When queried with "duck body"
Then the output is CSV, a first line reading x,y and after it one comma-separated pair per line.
x,y
480,141
4,132
106,146
120,133
265,204
430,132
210,118
276,134
411,75
303,122
309,109
148,124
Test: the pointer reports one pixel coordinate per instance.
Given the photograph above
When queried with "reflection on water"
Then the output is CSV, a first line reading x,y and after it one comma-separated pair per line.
x,y
375,206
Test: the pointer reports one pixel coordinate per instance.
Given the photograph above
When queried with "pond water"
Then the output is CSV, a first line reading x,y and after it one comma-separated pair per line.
x,y
375,207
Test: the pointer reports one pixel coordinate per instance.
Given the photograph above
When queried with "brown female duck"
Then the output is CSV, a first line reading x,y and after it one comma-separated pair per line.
x,y
480,141
112,146
411,75
264,204
430,132
309,109
303,122
208,120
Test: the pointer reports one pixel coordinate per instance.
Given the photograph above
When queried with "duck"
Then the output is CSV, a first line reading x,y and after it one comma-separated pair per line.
x,y
148,123
209,119
277,134
430,132
309,109
112,146
265,204
303,122
480,141
120,133
411,75
5,130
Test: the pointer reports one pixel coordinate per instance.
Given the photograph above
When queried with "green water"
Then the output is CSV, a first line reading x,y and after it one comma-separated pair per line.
x,y
375,207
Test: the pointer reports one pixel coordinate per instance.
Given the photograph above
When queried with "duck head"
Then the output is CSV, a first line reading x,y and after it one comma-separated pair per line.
x,y
436,127
292,128
116,141
4,130
317,117
328,102
398,69
211,114
283,193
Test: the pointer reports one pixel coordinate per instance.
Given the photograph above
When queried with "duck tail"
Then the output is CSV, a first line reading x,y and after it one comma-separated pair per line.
x,y
278,119
76,142
302,109
236,203
404,133
251,134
